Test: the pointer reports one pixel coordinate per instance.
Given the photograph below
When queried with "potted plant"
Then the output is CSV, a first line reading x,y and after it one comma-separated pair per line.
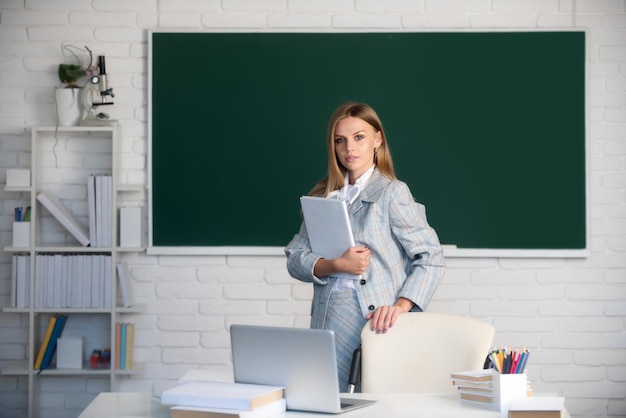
x,y
70,73
69,110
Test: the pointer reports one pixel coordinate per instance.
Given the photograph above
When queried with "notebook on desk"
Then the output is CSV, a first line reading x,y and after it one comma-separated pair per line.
x,y
303,361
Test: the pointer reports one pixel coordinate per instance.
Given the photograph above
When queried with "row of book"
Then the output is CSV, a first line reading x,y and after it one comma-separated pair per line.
x,y
99,195
197,396
124,345
100,211
72,281
20,281
67,281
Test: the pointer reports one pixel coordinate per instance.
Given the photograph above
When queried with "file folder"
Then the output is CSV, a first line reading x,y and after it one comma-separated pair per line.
x,y
328,226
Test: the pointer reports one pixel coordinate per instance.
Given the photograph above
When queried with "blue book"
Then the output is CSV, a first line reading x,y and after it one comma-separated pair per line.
x,y
123,346
52,344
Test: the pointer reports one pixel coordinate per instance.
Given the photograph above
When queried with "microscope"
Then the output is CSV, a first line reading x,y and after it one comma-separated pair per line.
x,y
95,94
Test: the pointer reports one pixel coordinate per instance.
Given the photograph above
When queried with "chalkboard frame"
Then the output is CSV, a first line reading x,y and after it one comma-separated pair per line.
x,y
451,251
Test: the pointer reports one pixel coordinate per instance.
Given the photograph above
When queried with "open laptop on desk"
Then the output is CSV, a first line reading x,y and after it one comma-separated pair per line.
x,y
303,361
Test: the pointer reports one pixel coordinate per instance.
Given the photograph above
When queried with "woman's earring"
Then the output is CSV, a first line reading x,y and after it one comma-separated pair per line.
x,y
375,154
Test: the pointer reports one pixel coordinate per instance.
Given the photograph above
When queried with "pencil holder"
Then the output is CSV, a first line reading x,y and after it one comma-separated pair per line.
x,y
21,234
507,387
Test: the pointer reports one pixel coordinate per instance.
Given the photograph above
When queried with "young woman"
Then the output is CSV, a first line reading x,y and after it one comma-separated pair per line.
x,y
397,253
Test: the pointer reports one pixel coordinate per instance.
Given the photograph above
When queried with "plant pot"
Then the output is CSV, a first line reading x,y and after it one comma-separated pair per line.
x,y
69,110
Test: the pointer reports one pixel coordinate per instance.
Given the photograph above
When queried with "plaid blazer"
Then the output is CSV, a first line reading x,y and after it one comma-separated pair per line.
x,y
406,256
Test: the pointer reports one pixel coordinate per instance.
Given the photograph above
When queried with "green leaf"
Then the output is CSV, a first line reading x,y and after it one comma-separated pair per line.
x,y
70,73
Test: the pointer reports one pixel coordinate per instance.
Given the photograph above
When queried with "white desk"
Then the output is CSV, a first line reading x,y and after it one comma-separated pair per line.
x,y
396,405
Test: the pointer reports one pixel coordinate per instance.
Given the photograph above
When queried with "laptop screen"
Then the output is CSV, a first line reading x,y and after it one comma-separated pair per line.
x,y
303,361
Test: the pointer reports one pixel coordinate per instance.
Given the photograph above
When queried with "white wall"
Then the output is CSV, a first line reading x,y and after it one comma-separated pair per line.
x,y
570,312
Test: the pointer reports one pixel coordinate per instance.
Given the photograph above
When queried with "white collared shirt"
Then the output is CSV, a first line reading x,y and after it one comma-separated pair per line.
x,y
349,193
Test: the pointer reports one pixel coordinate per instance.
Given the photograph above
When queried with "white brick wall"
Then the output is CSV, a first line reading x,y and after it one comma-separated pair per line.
x,y
571,313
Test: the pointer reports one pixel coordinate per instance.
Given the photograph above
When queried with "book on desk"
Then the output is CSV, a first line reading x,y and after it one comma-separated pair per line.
x,y
265,411
537,407
215,399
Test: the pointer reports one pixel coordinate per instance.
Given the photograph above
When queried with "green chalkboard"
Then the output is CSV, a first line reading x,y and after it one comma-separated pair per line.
x,y
487,128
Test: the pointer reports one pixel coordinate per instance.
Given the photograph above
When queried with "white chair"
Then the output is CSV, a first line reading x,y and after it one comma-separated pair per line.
x,y
421,350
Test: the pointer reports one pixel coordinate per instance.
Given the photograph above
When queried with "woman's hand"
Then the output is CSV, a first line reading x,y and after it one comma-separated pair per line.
x,y
384,317
354,261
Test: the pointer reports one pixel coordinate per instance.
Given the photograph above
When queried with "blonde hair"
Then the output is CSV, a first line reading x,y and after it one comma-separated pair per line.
x,y
336,172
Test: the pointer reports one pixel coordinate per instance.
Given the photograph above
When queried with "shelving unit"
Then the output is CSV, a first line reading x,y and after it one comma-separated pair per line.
x,y
62,158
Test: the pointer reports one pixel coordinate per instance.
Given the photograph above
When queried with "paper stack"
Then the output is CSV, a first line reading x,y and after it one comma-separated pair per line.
x,y
491,389
475,385
213,399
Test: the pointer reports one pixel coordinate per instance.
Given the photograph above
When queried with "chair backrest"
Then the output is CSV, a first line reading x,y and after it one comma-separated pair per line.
x,y
421,350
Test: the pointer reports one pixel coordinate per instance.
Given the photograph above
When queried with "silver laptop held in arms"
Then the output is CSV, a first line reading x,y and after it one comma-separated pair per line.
x,y
303,361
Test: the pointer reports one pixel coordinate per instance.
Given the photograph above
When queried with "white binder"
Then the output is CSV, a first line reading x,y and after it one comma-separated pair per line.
x,y
328,226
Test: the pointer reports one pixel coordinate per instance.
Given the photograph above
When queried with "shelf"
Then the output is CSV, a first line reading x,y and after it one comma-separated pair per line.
x,y
54,249
8,309
119,309
131,187
131,309
16,369
16,249
130,249
60,156
138,369
18,189
21,369
74,249
52,128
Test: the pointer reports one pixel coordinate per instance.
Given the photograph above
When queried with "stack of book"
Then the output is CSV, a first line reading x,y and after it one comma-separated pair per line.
x,y
489,387
215,399
537,407
475,385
